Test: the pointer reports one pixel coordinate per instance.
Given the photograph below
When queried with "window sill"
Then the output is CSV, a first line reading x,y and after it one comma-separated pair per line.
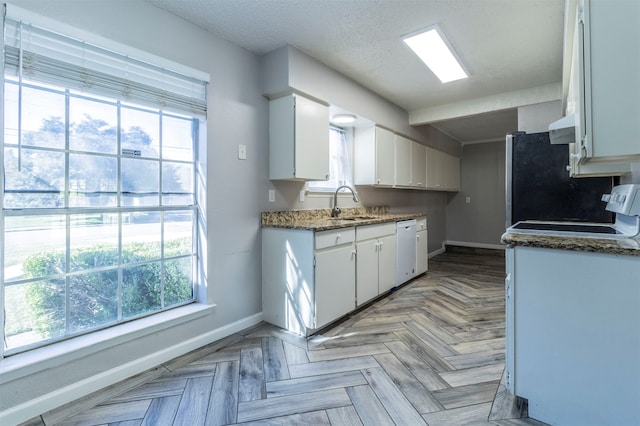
x,y
30,362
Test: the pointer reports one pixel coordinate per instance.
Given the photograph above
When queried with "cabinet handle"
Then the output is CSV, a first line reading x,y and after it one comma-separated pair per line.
x,y
381,244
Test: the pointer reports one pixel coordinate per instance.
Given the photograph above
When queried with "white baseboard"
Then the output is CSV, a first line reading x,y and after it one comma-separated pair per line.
x,y
473,245
437,252
28,410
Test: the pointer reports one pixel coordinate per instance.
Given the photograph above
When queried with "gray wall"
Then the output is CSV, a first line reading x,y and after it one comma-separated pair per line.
x,y
482,221
237,114
537,117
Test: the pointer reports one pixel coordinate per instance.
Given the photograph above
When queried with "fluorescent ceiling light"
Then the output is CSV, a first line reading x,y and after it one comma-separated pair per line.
x,y
432,48
343,119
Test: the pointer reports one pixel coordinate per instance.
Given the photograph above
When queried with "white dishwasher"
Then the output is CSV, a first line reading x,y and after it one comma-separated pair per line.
x,y
406,250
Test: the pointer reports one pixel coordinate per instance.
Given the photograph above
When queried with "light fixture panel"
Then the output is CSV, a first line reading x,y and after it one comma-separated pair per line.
x,y
343,118
432,47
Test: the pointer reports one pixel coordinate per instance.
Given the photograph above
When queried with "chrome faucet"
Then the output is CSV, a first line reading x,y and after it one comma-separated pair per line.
x,y
336,211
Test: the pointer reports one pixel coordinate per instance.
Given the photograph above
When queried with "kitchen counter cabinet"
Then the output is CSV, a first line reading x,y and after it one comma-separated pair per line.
x,y
308,278
572,335
376,261
335,277
298,139
314,273
422,246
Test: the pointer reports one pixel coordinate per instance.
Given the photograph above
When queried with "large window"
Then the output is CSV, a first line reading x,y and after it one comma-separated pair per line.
x,y
98,193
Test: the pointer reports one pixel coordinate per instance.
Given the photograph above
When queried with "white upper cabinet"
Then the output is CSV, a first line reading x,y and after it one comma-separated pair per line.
x,y
403,161
385,159
298,139
411,167
443,171
604,86
435,169
418,165
452,173
374,156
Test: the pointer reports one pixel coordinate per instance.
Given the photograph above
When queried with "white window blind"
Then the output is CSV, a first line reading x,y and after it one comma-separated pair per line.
x,y
40,55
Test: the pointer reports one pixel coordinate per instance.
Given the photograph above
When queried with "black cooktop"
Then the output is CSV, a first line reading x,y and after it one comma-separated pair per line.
x,y
567,227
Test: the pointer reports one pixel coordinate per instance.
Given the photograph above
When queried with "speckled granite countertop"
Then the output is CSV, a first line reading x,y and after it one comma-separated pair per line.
x,y
321,220
626,246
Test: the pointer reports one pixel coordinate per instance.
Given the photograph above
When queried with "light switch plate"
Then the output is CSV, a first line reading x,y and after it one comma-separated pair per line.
x,y
272,195
242,152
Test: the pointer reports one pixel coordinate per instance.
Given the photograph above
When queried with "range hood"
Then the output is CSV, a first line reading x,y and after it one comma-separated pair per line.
x,y
563,131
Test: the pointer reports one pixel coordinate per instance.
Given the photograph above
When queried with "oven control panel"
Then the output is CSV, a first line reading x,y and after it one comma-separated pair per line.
x,y
624,199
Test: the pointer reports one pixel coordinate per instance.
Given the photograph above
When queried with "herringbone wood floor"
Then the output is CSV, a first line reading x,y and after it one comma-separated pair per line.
x,y
430,353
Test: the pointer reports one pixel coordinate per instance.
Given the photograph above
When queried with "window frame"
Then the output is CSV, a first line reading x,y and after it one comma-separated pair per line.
x,y
316,188
198,136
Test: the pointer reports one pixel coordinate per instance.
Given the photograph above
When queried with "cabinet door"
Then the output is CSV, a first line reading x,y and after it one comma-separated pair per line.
x,y
403,161
386,263
434,169
385,154
601,79
312,140
366,271
452,175
422,252
418,165
612,79
335,283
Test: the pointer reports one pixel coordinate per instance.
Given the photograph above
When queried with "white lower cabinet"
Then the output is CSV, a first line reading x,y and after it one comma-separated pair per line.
x,y
376,263
422,247
335,277
308,278
572,341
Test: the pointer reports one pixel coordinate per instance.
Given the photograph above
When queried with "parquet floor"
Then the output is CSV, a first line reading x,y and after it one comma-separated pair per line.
x,y
431,353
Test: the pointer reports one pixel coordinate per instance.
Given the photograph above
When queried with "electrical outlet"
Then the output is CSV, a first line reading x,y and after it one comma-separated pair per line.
x,y
272,195
242,152
468,200
302,195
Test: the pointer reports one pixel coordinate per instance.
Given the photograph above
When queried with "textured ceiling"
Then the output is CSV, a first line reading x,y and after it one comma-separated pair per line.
x,y
506,45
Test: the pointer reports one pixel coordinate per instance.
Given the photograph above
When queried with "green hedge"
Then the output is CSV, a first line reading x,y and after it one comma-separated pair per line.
x,y
93,296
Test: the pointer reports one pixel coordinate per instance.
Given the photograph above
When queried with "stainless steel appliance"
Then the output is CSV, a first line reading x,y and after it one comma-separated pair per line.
x,y
624,201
